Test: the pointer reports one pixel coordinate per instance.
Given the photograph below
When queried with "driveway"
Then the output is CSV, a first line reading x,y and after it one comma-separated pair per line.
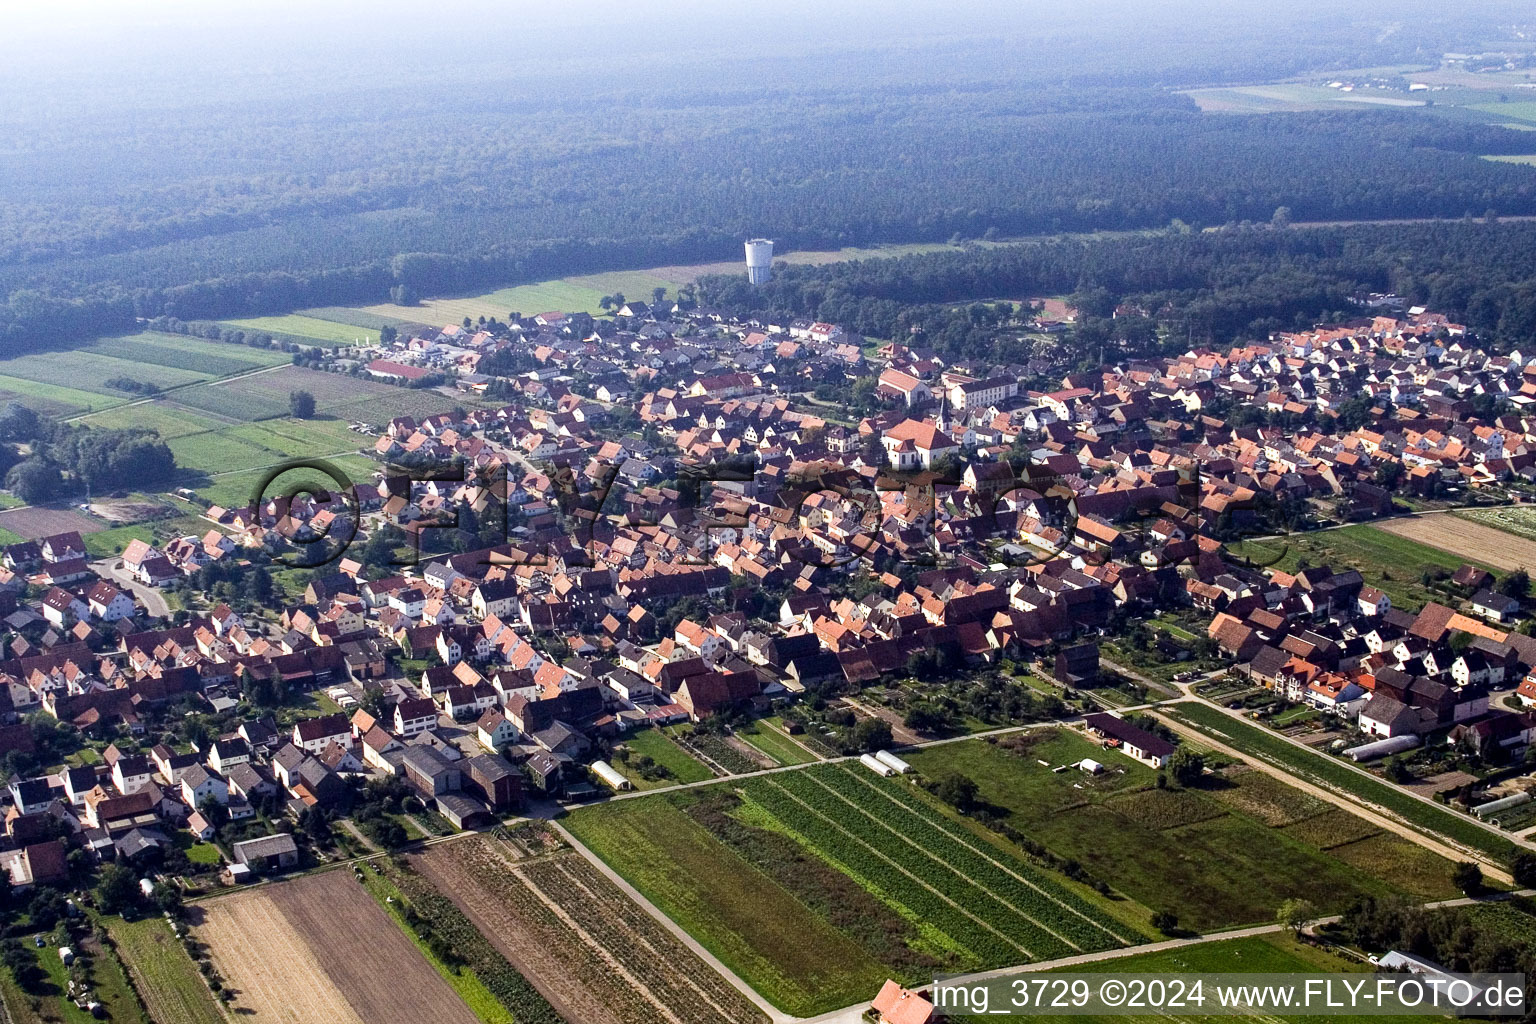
x,y
152,600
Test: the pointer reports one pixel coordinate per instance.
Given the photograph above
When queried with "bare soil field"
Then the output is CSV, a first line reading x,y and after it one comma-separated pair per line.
x,y
35,521
1466,539
267,964
319,950
595,955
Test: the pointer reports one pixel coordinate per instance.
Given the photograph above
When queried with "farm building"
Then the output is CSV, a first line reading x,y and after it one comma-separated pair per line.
x,y
893,762
267,852
1150,750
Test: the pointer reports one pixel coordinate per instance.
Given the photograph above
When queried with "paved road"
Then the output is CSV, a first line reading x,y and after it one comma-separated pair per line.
x,y
152,600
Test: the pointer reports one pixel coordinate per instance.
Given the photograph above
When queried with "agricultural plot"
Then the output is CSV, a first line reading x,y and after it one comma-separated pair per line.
x,y
340,395
1386,554
1457,829
319,950
212,358
90,370
868,876
1470,539
776,743
53,399
654,744
35,521
1218,857
168,419
358,318
803,955
234,490
163,973
326,332
590,950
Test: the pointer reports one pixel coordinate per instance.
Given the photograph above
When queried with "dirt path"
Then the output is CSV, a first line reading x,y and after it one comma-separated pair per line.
x,y
1360,810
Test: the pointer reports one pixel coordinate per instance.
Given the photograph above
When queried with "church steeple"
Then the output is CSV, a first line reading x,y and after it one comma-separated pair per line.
x,y
943,412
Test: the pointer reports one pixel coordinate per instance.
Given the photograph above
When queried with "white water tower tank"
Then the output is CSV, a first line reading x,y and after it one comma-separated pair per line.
x,y
759,260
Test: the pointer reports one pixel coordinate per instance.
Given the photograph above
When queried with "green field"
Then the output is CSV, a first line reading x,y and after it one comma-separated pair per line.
x,y
653,743
1260,954
163,973
1449,825
1264,99
775,743
1391,563
1218,857
213,358
54,399
233,490
815,885
1522,158
326,332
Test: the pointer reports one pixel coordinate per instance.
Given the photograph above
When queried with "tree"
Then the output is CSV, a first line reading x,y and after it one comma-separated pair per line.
x,y
872,734
117,889
1186,767
957,790
301,404
1281,217
387,335
1296,914
658,294
1165,921
1468,877
1516,585
1523,868
34,481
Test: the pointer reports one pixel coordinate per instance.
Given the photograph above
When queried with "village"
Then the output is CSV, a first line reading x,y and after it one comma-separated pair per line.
x,y
681,547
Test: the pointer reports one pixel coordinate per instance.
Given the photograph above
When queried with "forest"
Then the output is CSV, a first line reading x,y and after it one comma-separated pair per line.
x,y
494,172
1206,287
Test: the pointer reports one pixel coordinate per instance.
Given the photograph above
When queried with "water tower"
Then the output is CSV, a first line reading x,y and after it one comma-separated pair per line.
x,y
759,260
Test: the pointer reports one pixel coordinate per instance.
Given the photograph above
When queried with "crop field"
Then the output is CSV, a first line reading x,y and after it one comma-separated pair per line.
x,y
210,358
776,743
166,418
325,332
163,973
1475,539
1457,829
814,885
89,370
53,399
1389,560
340,395
592,952
1219,856
357,318
319,950
36,521
1519,520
